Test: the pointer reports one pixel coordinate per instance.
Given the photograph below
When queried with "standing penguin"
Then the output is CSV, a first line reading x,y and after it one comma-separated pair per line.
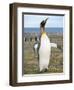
x,y
45,48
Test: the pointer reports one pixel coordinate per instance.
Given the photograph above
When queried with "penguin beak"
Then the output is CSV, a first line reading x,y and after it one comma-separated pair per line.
x,y
46,20
43,22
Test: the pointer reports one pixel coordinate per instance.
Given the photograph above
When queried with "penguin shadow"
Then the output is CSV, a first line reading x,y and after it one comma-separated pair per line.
x,y
44,70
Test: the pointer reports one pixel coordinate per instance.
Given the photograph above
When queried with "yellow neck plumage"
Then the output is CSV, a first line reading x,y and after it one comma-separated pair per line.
x,y
43,34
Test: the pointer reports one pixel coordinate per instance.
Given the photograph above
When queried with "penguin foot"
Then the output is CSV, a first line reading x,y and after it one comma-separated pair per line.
x,y
41,71
45,70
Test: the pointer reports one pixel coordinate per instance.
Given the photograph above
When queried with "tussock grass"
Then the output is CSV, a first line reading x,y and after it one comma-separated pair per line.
x,y
56,60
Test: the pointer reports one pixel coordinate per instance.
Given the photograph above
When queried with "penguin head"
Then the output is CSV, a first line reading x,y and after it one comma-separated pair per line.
x,y
42,24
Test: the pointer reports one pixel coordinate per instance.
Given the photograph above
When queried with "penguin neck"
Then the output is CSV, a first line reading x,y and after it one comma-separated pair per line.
x,y
42,29
43,33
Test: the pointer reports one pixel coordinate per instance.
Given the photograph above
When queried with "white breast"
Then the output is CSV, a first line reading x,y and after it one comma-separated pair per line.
x,y
45,43
36,46
44,52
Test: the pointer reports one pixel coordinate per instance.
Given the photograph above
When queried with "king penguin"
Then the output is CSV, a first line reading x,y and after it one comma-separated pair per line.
x,y
45,48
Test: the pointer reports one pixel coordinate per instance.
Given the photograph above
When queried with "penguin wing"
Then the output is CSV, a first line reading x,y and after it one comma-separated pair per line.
x,y
53,45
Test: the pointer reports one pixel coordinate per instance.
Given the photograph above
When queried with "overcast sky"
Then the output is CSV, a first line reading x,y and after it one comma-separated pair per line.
x,y
34,21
